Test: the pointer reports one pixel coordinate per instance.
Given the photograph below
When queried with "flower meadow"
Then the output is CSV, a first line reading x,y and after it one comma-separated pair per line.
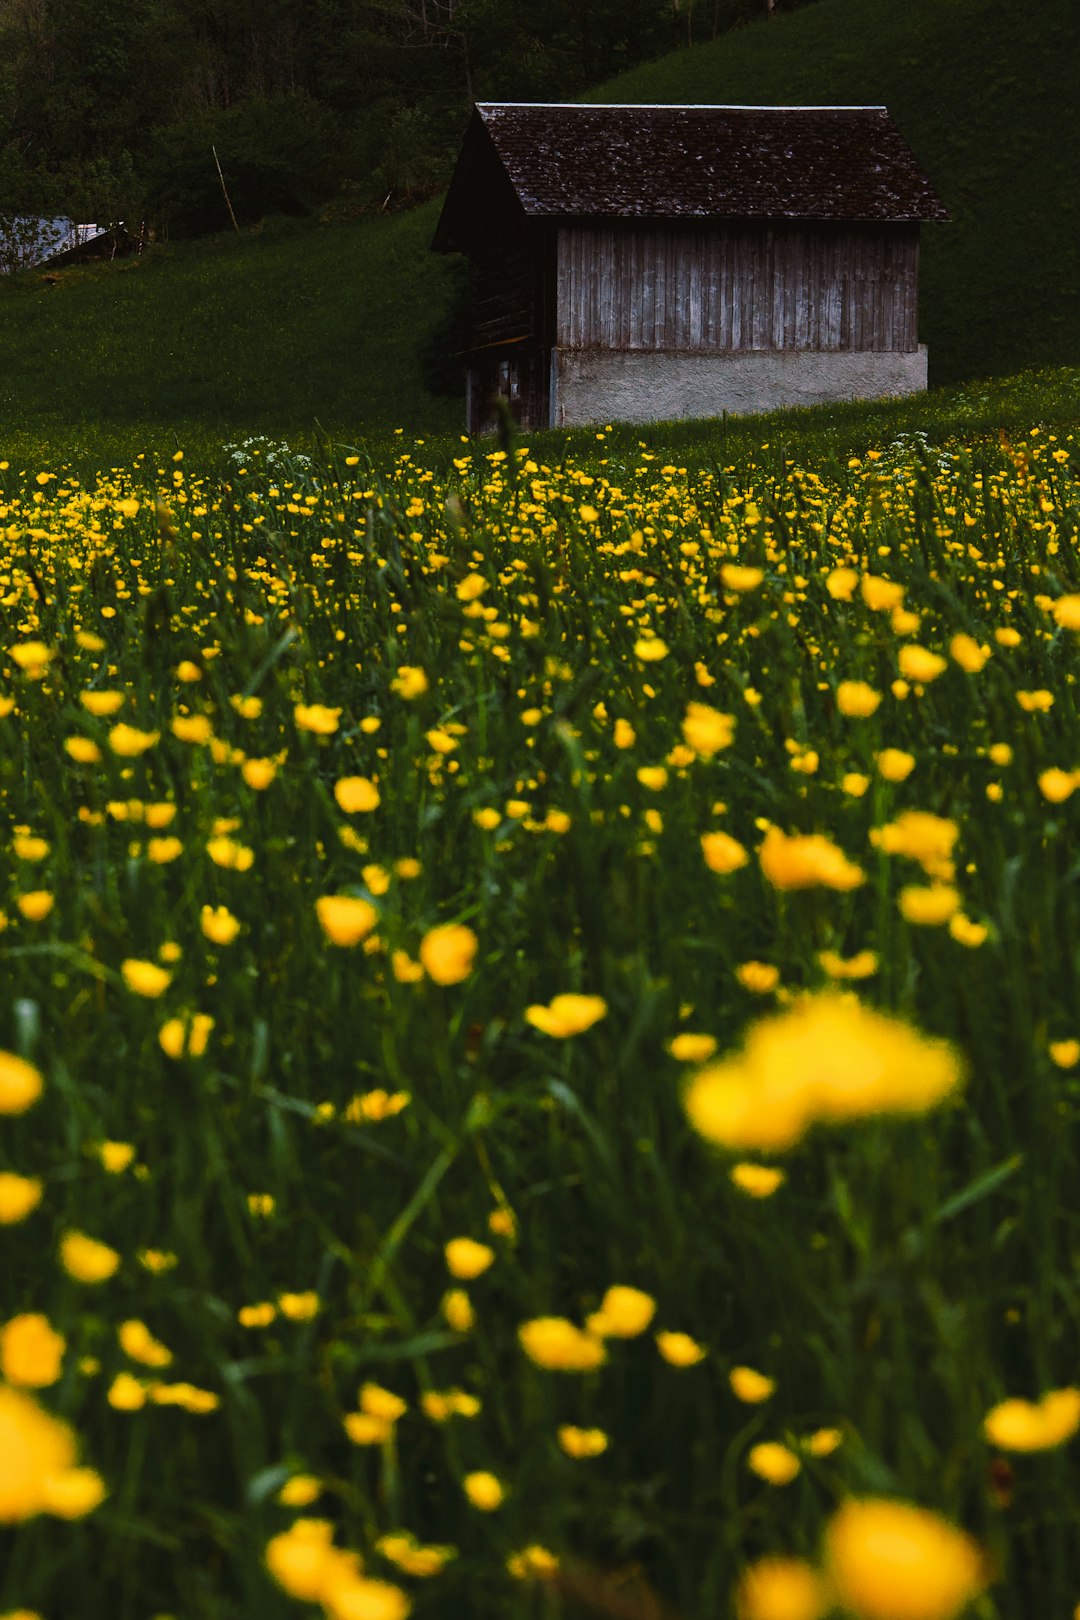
x,y
539,1036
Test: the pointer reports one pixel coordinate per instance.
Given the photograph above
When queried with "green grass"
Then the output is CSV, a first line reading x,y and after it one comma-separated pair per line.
x,y
908,1275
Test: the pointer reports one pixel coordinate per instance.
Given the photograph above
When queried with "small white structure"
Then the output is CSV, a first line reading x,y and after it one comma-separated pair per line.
x,y
28,241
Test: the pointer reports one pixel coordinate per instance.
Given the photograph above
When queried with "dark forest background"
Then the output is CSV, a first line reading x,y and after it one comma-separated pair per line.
x,y
119,110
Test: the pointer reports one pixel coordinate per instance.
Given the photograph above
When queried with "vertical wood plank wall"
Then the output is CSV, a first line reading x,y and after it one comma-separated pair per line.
x,y
725,288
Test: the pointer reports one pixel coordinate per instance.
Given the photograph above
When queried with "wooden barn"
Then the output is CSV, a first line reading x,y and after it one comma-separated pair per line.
x,y
635,263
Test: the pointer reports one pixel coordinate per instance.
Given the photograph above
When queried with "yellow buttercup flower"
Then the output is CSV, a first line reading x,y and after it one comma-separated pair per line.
x,y
567,1014
1017,1425
21,1084
101,703
36,1449
680,1350
894,764
723,854
580,1443
856,699
448,953
345,919
87,1260
218,924
129,742
19,1196
706,730
805,861
781,1589
757,1180
466,1258
689,1048
623,1314
145,978
920,664
31,1351
888,1560
484,1491
356,795
555,1343
773,1462
317,718
750,1386
650,649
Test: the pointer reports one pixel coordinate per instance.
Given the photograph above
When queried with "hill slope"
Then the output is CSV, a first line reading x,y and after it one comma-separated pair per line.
x,y
273,332
985,93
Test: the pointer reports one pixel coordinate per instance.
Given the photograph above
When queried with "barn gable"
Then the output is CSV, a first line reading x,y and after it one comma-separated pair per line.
x,y
681,260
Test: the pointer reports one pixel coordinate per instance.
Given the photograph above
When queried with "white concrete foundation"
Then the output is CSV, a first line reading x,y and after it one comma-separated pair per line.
x,y
633,385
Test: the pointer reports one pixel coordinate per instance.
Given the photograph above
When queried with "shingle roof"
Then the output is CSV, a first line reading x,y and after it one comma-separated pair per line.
x,y
844,163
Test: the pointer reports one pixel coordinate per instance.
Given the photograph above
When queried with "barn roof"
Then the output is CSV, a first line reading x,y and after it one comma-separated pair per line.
x,y
690,162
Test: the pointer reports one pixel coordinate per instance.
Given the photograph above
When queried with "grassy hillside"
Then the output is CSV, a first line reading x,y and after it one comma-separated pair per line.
x,y
277,331
263,332
984,91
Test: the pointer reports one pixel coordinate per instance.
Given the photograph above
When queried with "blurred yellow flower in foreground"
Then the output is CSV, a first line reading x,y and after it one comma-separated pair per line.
x,y
466,1259
888,1560
772,1462
826,1058
484,1491
139,1343
31,1351
723,854
706,730
145,978
781,1589
129,742
219,925
750,1386
19,1195
356,795
345,919
448,952
567,1014
856,699
20,1084
555,1343
623,1314
1017,1425
680,1350
806,861
316,717
87,1260
39,1473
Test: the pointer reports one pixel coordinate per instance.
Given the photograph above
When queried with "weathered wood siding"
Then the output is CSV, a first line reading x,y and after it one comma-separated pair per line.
x,y
725,288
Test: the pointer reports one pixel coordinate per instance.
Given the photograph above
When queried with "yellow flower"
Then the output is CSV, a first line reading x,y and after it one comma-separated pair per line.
x,y
1066,612
723,854
192,728
920,664
750,1386
31,1351
533,1563
1017,1425
345,919
1066,1054
860,966
781,1589
881,595
356,794
1056,785
219,925
87,1260
299,1307
968,653
35,905
967,933
650,649
928,907
680,1350
757,1180
653,777
567,1014
145,978
856,699
555,1343
823,1442
405,1551
301,1557
258,773
484,1491
116,1156
129,742
350,1596
706,730
582,1442
840,584
487,818
180,1037
38,1452
32,657
894,764
826,1058
1037,702
139,1343
83,750
772,1462
466,1258
19,1195
688,1048
448,952
888,1560
740,578
922,837
623,1314
855,784
624,734
410,682
101,704
760,978
317,718
804,861
20,1084
256,1316
228,854
457,1309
